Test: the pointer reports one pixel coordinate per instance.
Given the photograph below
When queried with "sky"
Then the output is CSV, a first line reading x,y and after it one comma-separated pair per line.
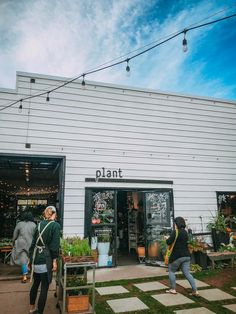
x,y
70,37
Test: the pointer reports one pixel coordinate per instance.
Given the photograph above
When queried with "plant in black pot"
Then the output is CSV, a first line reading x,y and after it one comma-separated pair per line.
x,y
218,228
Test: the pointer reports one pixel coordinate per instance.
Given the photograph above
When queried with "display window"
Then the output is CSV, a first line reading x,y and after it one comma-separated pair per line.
x,y
226,202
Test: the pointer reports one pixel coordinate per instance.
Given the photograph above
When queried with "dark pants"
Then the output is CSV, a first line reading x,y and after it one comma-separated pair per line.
x,y
43,279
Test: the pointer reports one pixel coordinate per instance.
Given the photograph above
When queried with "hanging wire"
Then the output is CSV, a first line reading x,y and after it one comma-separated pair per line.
x,y
102,68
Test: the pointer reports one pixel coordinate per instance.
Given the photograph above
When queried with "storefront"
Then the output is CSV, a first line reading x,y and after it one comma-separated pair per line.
x,y
123,160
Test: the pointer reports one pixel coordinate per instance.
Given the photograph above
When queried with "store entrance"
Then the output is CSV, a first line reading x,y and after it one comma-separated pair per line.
x,y
130,226
120,221
27,184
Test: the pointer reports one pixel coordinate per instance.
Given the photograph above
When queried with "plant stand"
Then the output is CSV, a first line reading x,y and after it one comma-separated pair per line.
x,y
221,256
62,287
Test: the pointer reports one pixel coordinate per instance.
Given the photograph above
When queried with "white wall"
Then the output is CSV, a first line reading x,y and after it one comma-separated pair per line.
x,y
149,135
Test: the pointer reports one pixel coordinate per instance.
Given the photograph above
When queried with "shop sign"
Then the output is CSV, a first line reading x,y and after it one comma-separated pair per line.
x,y
108,173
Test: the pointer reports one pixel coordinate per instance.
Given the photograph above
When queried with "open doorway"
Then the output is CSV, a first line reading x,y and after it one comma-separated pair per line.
x,y
130,226
27,184
125,220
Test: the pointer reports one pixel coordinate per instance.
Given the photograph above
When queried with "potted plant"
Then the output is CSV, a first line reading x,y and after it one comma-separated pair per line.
x,y
198,250
77,298
162,248
103,248
153,249
141,250
194,246
218,228
75,249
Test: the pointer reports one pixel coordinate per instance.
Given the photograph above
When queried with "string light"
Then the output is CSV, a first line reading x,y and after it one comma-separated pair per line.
x,y
48,98
119,62
20,107
83,82
185,43
127,68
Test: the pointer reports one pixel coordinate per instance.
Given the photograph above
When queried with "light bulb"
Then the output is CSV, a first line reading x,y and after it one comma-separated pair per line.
x,y
20,107
48,98
127,69
83,82
185,46
185,43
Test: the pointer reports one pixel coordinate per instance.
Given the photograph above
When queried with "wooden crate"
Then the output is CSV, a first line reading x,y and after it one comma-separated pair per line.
x,y
77,303
77,259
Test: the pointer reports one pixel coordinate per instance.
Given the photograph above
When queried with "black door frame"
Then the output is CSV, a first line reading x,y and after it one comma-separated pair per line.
x,y
62,165
88,207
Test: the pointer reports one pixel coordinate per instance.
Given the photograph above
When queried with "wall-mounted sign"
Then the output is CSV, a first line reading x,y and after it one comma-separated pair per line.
x,y
108,173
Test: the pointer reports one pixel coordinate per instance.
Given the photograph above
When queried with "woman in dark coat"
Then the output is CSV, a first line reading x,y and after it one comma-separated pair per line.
x,y
22,238
180,256
44,252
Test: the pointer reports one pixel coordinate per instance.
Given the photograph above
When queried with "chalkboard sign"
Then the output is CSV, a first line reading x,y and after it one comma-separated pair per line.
x,y
103,207
157,205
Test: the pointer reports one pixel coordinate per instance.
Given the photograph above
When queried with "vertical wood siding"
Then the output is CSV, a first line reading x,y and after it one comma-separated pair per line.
x,y
149,135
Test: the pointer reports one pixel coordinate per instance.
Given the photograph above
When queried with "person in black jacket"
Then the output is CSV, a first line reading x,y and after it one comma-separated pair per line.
x,y
180,256
44,252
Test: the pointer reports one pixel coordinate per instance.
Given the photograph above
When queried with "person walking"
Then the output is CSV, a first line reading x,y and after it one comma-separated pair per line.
x,y
22,238
44,252
180,256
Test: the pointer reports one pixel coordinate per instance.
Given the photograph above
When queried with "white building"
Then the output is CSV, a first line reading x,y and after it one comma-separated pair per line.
x,y
160,153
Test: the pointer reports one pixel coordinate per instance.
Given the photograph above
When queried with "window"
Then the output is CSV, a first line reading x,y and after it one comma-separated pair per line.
x,y
226,202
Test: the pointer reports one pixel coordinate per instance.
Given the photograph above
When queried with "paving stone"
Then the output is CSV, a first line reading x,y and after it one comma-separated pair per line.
x,y
149,286
168,299
127,305
233,288
231,307
215,294
184,283
111,290
196,310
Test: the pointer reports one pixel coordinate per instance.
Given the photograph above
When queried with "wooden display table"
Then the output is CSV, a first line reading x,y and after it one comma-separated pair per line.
x,y
6,249
220,256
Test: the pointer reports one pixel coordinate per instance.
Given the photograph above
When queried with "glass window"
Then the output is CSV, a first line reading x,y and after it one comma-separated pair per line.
x,y
226,202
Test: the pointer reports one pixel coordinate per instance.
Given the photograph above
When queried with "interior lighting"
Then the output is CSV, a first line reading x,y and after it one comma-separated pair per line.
x,y
185,43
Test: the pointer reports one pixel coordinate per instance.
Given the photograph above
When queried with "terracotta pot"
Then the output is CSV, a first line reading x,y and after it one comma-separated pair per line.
x,y
77,303
153,249
141,251
190,249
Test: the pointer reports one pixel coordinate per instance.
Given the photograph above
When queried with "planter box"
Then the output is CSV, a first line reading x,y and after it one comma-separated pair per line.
x,y
201,259
76,303
77,259
218,238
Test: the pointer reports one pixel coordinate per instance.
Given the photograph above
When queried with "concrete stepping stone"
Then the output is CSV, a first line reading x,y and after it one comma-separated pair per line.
x,y
196,310
111,290
215,294
231,307
233,288
184,283
127,305
168,299
149,286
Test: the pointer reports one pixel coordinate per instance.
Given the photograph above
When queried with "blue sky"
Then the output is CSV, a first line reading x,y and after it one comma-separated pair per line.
x,y
69,37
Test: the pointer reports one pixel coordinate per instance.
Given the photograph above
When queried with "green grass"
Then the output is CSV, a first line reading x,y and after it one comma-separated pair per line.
x,y
155,307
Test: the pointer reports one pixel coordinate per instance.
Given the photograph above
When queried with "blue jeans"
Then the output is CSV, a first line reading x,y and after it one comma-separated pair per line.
x,y
24,269
184,264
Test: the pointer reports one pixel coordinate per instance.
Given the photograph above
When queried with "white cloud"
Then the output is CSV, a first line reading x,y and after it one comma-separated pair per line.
x,y
67,38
